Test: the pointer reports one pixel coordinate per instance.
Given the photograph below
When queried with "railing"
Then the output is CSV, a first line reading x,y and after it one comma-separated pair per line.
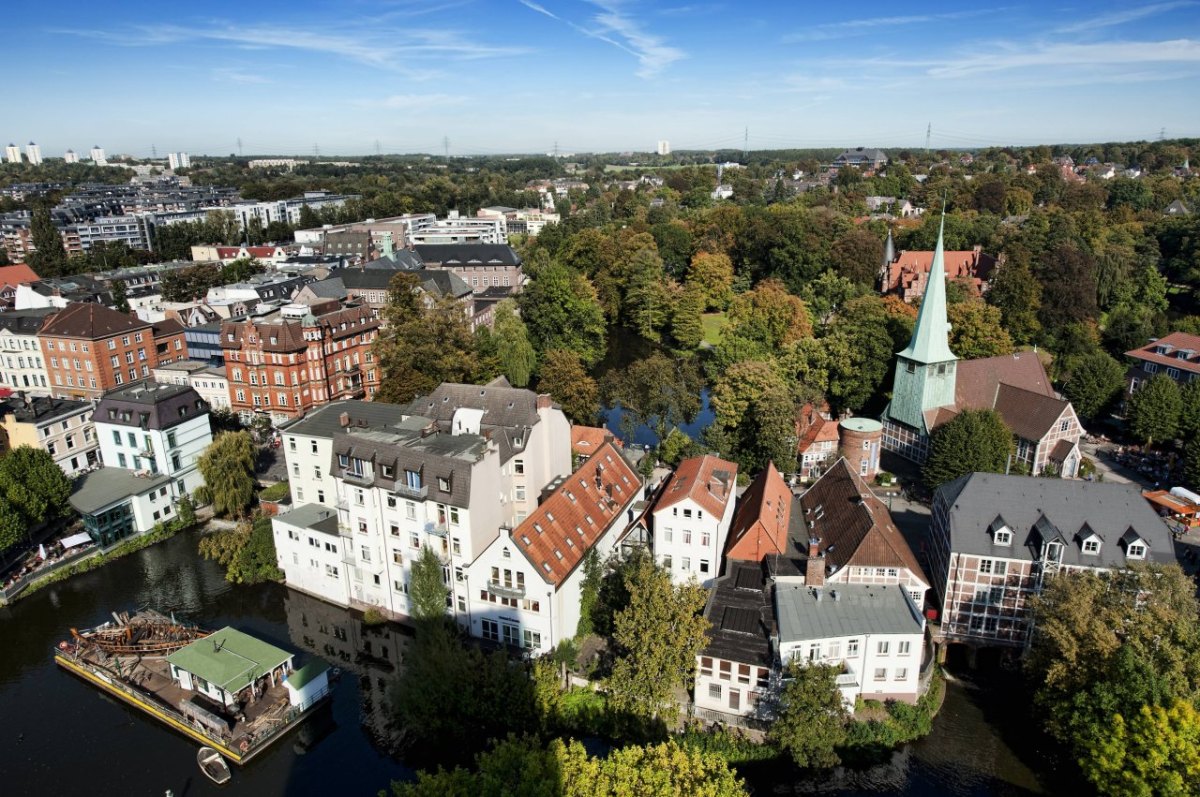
x,y
17,587
409,491
436,529
710,715
506,592
847,679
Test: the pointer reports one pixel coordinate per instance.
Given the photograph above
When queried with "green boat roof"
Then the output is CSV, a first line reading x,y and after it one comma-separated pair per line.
x,y
303,676
229,659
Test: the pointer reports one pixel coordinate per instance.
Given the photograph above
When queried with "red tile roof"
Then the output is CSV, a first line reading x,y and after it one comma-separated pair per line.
x,y
908,273
586,440
89,321
568,523
1174,344
707,480
15,275
760,524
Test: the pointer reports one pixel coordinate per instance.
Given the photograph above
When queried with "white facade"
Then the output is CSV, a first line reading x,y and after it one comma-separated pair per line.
x,y
60,427
98,157
730,686
34,153
173,451
23,367
455,229
12,153
71,156
688,538
664,147
178,160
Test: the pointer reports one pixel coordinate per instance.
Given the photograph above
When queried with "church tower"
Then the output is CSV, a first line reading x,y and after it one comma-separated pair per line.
x,y
889,254
925,370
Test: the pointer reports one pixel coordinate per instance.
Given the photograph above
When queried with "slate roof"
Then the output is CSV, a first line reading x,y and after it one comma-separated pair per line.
x,y
324,421
709,481
331,288
468,254
854,527
565,526
26,322
42,409
760,523
978,503
90,321
862,155
742,617
1175,344
401,260
844,610
149,405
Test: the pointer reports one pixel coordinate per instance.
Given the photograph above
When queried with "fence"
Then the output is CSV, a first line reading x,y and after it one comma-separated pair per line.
x,y
711,716
17,587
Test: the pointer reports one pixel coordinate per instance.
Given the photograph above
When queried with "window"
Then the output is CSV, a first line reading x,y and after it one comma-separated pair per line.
x,y
703,565
687,534
880,673
667,534
726,671
331,571
666,562
443,484
852,648
685,563
705,538
532,639
414,540
985,566
714,691
1003,537
519,467
835,650
519,493
120,459
1136,550
1091,546
410,510
456,546
900,674
883,647
1173,373
705,665
903,647
116,437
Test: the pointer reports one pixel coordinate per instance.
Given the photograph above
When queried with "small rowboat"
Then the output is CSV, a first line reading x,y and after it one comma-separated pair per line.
x,y
213,765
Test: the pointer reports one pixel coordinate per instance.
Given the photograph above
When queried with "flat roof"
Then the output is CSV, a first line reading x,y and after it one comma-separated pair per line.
x,y
843,610
311,516
107,486
324,421
229,659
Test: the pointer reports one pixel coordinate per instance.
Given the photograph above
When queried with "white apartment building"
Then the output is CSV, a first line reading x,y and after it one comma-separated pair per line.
x,y
155,429
98,157
21,365
61,427
524,588
287,210
456,229
34,153
875,635
12,153
275,163
178,160
400,478
691,518
210,383
71,156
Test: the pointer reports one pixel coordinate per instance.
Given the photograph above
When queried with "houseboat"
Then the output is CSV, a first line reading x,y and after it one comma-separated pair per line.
x,y
225,689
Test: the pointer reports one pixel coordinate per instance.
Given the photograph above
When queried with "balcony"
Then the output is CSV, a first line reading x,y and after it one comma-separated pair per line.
x,y
436,529
356,478
847,679
506,592
412,492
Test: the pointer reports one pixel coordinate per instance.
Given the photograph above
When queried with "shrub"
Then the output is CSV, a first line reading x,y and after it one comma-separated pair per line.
x,y
275,492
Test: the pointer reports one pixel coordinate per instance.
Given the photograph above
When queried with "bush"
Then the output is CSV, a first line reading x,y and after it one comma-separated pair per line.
x,y
885,479
275,492
730,744
373,616
247,552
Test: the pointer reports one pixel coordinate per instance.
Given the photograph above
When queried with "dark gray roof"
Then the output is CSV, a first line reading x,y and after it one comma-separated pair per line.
x,y
325,421
312,516
42,409
468,254
150,405
331,288
372,279
436,457
400,260
739,610
1039,510
844,610
25,322
444,283
508,412
107,486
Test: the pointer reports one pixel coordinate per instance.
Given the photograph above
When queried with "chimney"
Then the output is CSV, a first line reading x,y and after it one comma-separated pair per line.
x,y
814,568
344,420
544,402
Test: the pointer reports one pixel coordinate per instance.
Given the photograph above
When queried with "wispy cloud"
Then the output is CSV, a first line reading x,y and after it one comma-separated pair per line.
x,y
1052,55
1122,17
412,102
619,29
861,27
232,75
394,49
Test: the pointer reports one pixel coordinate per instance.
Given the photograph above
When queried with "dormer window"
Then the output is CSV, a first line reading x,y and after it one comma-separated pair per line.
x,y
1136,550
1003,536
443,484
1091,546
1054,551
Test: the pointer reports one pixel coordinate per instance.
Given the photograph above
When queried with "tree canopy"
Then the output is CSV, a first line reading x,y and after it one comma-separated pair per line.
x,y
227,466
973,440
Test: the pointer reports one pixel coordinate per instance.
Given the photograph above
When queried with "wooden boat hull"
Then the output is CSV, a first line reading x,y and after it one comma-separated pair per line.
x,y
213,765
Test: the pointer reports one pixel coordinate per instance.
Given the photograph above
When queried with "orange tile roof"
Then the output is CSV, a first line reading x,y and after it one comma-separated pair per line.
x,y
16,275
908,273
1174,343
569,522
760,524
586,440
707,480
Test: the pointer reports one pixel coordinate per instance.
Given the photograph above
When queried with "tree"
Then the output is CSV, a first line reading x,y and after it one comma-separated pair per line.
x,y
1095,380
1018,295
769,315
812,718
656,390
657,638
562,375
561,311
712,276
1189,414
972,441
589,592
1154,409
518,360
120,296
50,257
976,331
1191,462
228,469
1154,753
687,323
825,295
755,416
426,590
424,342
857,255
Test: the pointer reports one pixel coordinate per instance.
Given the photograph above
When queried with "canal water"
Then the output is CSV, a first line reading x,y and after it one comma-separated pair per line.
x,y
60,736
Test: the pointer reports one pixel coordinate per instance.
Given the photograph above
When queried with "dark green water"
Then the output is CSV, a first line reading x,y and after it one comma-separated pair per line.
x,y
60,736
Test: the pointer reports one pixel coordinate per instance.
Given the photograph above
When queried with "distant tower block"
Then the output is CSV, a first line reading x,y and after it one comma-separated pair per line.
x,y
861,439
664,147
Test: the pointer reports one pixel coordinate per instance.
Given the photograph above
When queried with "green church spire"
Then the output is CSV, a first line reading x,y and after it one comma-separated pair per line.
x,y
931,336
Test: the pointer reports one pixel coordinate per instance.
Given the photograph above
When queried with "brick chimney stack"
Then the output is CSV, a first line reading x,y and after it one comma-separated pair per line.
x,y
544,401
814,568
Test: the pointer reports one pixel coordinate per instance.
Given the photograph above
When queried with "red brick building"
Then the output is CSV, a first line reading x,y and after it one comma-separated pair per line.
x,y
89,349
299,357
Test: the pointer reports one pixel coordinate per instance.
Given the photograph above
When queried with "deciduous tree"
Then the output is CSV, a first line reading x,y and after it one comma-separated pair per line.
x,y
50,257
811,720
518,360
712,276
1018,295
755,416
973,440
1154,753
561,311
228,469
1095,379
426,590
562,375
1154,410
976,331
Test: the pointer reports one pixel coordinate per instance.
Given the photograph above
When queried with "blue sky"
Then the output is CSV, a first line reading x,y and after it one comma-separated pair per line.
x,y
497,76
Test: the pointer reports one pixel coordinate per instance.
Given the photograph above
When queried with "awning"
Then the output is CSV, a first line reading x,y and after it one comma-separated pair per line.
x,y
75,539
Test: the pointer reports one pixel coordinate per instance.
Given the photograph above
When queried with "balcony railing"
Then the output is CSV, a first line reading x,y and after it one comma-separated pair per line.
x,y
436,529
411,492
506,592
847,679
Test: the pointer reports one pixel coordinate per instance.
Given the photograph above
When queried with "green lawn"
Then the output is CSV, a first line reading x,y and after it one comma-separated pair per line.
x,y
714,326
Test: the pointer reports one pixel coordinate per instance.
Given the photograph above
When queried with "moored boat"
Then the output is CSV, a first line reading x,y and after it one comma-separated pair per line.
x,y
212,764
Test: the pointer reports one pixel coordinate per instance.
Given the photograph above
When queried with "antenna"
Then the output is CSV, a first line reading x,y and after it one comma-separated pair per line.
x,y
745,143
239,146
928,133
446,145
316,151
153,152
555,149
1162,133
378,149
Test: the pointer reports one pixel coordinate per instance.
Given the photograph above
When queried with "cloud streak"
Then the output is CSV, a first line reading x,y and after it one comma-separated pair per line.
x,y
413,102
862,27
616,28
1123,17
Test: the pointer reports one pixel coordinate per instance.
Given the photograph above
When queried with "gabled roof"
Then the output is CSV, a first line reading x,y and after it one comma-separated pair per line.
x,y
15,275
978,380
760,523
229,659
1028,414
854,527
586,440
565,526
502,404
90,321
468,254
741,615
1174,345
709,481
